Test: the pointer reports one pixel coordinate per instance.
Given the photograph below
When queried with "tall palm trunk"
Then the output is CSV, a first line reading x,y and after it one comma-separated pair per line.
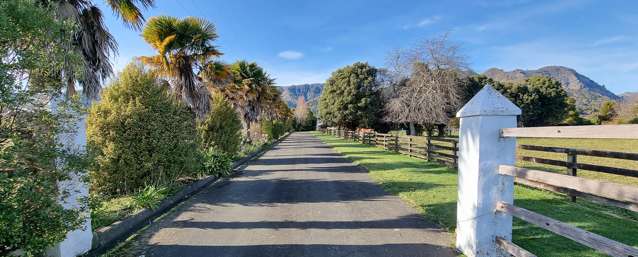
x,y
189,89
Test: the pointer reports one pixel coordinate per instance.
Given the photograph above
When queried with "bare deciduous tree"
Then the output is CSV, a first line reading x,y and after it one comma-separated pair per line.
x,y
301,111
426,81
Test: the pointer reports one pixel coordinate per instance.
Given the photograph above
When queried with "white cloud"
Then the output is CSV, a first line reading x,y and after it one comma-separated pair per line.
x,y
428,21
609,40
423,23
290,55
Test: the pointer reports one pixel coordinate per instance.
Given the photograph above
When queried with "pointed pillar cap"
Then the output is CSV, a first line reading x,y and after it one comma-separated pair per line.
x,y
488,102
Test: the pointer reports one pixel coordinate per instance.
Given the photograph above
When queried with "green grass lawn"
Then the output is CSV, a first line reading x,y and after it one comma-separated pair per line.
x,y
432,188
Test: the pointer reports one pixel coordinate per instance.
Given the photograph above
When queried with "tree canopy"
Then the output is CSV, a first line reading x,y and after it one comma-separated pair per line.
x,y
351,97
542,100
426,84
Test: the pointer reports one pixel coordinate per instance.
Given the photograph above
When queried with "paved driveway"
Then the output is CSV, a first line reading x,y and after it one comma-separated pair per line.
x,y
299,199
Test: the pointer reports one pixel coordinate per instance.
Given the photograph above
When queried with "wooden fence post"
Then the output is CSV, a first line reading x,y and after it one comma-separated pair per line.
x,y
480,187
428,147
572,167
410,146
396,143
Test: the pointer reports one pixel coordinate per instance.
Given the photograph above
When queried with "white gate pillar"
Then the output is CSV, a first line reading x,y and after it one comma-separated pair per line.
x,y
77,242
481,150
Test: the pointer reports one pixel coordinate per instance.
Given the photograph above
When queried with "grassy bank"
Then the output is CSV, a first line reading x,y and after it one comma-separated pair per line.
x,y
106,211
432,189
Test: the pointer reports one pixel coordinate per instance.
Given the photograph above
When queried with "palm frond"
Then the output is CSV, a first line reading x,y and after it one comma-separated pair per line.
x,y
129,11
96,45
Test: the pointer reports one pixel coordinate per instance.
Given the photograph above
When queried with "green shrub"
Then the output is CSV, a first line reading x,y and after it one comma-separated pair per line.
x,y
150,197
140,135
32,160
217,163
221,129
273,129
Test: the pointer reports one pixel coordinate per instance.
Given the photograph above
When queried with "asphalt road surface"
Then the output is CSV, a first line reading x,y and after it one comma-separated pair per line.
x,y
299,199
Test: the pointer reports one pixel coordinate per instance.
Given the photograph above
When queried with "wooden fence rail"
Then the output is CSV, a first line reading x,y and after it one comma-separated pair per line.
x,y
594,241
607,191
445,150
441,149
487,150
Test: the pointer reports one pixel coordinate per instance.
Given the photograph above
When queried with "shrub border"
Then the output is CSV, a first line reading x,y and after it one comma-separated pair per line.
x,y
107,237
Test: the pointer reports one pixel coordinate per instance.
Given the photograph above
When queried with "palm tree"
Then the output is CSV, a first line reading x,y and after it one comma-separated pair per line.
x,y
253,85
183,46
93,40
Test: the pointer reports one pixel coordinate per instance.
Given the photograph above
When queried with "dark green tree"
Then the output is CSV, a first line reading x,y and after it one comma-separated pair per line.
x,y
473,84
542,100
351,97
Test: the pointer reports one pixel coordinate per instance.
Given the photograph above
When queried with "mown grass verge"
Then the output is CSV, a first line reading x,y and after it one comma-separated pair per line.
x,y
432,188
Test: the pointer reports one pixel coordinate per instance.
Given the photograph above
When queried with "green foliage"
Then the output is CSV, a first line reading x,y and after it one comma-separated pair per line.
x,y
150,197
140,135
606,112
542,100
308,124
32,159
573,117
273,129
472,85
221,129
217,163
351,98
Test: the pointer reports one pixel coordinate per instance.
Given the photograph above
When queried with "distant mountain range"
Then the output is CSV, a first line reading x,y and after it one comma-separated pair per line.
x,y
630,96
588,94
310,92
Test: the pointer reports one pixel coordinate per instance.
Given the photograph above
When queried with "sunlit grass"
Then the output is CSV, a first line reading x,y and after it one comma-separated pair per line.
x,y
432,188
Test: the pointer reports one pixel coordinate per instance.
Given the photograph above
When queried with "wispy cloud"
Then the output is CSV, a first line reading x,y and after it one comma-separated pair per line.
x,y
290,55
522,12
428,21
423,22
609,40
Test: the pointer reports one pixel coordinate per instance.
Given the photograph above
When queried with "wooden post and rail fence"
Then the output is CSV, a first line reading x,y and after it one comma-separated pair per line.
x,y
485,154
445,150
441,149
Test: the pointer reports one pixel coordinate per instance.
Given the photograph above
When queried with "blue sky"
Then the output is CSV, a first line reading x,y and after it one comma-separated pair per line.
x,y
304,41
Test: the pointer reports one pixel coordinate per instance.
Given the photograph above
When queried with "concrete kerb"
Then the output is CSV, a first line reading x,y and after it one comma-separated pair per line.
x,y
107,237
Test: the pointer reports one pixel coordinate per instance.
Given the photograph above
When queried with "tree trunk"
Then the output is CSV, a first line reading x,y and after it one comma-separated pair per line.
x,y
412,129
441,130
